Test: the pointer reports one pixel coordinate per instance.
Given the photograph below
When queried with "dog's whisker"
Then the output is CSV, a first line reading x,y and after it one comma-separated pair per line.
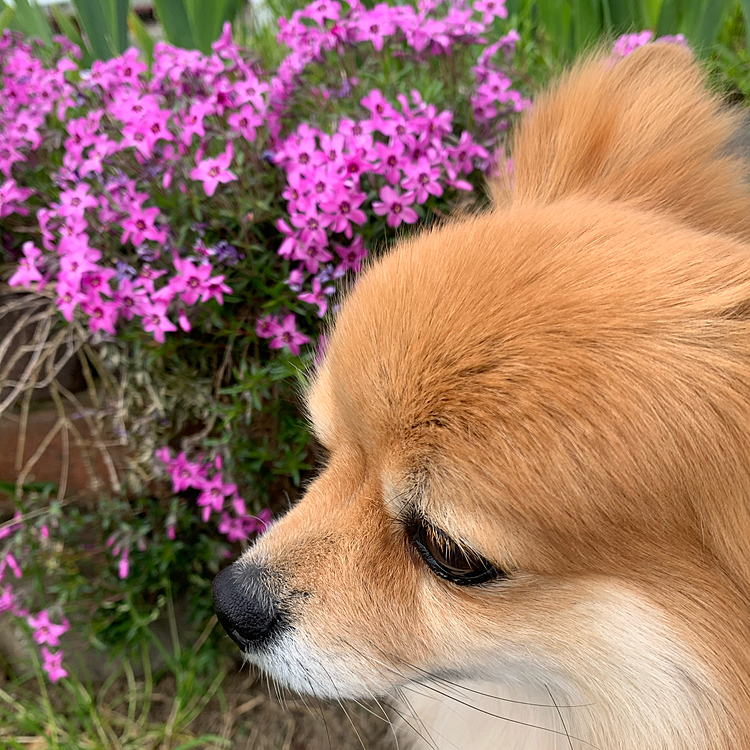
x,y
559,713
458,686
320,709
420,721
343,708
499,716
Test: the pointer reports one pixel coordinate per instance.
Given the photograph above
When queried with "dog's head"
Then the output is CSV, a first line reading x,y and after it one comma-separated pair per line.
x,y
538,422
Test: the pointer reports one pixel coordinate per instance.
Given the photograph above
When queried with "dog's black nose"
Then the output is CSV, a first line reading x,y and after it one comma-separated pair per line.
x,y
245,605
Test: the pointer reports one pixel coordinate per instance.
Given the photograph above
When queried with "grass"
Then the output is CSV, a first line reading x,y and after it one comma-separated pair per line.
x,y
153,710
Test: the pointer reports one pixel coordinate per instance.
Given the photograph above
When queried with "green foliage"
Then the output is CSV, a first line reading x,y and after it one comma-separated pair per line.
x,y
195,24
105,23
102,28
572,25
120,713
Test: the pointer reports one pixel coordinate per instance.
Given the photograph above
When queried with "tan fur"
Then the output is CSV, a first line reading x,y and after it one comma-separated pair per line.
x,y
563,384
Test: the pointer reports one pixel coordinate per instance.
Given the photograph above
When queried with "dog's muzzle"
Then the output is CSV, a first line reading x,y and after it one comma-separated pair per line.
x,y
246,607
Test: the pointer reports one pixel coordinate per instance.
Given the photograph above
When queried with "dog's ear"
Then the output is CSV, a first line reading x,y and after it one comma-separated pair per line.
x,y
643,129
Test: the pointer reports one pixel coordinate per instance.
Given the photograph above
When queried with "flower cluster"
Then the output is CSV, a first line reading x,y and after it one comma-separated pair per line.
x,y
106,248
215,496
131,141
43,631
627,43
391,156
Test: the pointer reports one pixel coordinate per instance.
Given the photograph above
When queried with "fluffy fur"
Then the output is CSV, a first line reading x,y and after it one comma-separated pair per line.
x,y
562,384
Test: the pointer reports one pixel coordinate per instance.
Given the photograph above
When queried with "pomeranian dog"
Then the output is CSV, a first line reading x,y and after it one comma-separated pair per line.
x,y
538,421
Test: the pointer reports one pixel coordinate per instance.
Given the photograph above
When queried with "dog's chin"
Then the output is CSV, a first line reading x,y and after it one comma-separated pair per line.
x,y
296,665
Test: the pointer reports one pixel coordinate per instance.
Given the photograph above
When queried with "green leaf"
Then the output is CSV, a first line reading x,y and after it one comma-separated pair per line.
x,y
69,29
650,12
625,16
555,18
7,17
33,21
90,14
174,18
745,5
206,20
701,21
117,25
587,23
141,34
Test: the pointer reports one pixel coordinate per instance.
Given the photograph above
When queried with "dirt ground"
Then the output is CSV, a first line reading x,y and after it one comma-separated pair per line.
x,y
257,719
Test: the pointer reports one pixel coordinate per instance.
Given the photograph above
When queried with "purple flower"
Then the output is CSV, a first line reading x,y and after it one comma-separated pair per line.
x,y
318,296
288,336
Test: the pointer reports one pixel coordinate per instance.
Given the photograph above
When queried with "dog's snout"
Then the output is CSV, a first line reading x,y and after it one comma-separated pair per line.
x,y
245,605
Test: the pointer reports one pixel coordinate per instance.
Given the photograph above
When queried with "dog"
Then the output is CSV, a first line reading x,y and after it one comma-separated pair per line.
x,y
534,521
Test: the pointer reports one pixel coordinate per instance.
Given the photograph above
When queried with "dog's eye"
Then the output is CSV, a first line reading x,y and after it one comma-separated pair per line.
x,y
449,560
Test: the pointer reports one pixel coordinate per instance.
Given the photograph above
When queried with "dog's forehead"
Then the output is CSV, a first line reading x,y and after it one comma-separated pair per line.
x,y
441,327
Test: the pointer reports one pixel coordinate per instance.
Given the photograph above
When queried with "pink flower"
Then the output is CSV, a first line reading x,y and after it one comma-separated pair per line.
x,y
288,336
11,196
140,226
68,297
156,321
191,281
123,567
267,327
396,206
627,43
491,9
46,631
351,257
423,178
10,562
27,272
345,208
102,315
245,122
213,493
53,664
131,299
192,121
7,600
186,474
318,296
234,528
214,171
75,202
